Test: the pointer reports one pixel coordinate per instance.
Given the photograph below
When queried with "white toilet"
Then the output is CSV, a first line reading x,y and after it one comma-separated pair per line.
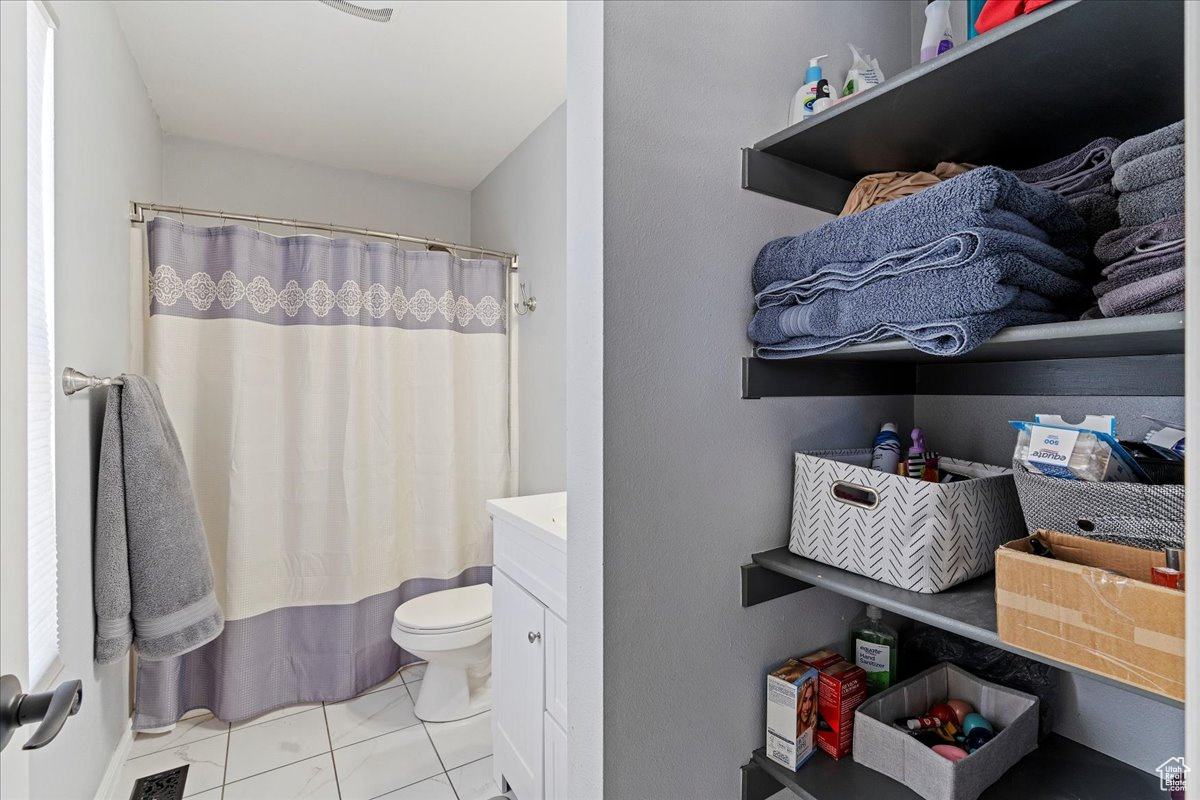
x,y
452,631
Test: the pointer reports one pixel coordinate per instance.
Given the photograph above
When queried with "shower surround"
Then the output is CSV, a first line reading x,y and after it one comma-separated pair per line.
x,y
344,410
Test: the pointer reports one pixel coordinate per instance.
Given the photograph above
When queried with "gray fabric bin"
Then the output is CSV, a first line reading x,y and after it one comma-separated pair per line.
x,y
918,535
1132,514
901,757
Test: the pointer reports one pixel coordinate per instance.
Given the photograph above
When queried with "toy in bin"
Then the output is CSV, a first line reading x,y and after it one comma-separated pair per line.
x,y
952,729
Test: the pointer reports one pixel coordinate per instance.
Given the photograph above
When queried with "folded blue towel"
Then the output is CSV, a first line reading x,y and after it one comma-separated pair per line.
x,y
1087,169
945,338
989,284
1041,267
988,197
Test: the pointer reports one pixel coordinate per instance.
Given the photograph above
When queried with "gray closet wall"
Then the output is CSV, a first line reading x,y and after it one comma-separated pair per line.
x,y
696,479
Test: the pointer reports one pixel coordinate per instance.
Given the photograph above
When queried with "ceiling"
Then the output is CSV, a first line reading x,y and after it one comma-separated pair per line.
x,y
441,94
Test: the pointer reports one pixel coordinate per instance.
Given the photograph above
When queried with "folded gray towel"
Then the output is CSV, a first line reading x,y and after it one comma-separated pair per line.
x,y
1123,242
1088,168
1151,204
987,197
153,580
1132,271
1142,294
1139,146
1149,256
1161,165
1098,210
1168,305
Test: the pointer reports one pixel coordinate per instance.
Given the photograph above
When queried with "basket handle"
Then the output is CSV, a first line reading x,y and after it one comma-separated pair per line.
x,y
853,494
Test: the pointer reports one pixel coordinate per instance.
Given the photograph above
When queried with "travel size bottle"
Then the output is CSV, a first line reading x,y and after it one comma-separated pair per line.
x,y
874,646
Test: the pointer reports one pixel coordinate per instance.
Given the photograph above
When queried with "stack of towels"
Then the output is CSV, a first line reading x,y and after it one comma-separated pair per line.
x,y
1149,176
944,269
1143,258
1143,270
1085,179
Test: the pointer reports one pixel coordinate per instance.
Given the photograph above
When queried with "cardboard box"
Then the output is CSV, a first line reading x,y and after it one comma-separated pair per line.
x,y
883,748
842,687
791,713
1093,606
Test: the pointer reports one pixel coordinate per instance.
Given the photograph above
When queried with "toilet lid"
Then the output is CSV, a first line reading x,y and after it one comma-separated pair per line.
x,y
446,610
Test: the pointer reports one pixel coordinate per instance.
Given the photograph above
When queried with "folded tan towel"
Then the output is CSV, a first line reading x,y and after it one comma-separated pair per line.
x,y
880,187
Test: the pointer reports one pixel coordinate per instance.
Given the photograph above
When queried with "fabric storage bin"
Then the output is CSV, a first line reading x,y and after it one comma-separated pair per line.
x,y
901,757
918,535
1132,514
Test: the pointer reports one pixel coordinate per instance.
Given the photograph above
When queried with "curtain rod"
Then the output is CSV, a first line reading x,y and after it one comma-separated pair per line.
x,y
137,215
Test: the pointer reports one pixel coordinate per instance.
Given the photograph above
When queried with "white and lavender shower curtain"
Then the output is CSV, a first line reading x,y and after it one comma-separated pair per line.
x,y
344,411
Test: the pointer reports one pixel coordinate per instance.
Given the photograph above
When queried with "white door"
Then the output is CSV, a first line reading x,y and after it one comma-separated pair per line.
x,y
556,760
14,764
518,681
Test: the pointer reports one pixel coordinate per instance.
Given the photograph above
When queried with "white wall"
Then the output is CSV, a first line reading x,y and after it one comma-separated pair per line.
x,y
695,478
219,177
108,151
521,207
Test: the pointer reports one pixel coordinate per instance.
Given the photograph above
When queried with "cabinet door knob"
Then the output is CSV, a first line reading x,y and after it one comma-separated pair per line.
x,y
533,637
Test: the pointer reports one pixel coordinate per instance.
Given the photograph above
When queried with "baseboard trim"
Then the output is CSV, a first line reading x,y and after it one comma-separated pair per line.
x,y
112,776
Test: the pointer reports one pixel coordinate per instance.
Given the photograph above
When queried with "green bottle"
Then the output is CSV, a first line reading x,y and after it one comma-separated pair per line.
x,y
874,646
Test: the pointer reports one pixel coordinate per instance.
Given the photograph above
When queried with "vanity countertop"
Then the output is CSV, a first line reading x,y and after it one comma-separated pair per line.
x,y
541,515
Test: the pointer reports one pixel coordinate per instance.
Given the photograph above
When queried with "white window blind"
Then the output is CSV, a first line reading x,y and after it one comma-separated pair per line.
x,y
43,540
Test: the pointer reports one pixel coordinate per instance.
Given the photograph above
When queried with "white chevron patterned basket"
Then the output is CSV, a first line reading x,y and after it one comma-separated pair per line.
x,y
918,535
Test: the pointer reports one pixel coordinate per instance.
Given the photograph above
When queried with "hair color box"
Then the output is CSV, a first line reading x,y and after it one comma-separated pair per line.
x,y
842,687
791,713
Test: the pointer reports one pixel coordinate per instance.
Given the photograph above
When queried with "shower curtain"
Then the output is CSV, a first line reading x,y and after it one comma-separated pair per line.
x,y
344,411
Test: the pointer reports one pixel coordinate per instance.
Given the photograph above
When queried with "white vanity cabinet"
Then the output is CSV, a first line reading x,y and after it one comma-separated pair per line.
x,y
529,645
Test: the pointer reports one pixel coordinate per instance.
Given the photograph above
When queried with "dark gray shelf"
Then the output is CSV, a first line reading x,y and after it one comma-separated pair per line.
x,y
1020,95
1113,357
1059,768
968,609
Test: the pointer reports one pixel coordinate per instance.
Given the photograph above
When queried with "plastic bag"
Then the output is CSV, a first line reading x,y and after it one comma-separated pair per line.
x,y
924,647
864,73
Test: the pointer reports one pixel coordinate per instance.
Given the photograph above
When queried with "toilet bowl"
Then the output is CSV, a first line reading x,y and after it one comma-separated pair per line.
x,y
451,630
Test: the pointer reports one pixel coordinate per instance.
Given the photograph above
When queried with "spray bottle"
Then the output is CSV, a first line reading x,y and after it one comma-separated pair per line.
x,y
815,88
939,36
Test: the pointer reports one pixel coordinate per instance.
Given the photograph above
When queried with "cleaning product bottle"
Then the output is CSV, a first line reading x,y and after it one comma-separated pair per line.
x,y
885,457
802,103
916,454
939,36
874,645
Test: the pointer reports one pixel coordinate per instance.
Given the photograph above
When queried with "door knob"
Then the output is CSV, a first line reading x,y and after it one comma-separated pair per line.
x,y
51,709
533,637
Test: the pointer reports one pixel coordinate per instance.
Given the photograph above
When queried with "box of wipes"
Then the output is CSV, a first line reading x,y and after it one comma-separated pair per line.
x,y
1061,451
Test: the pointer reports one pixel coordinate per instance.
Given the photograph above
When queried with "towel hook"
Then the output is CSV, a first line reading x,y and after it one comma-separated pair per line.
x,y
527,302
